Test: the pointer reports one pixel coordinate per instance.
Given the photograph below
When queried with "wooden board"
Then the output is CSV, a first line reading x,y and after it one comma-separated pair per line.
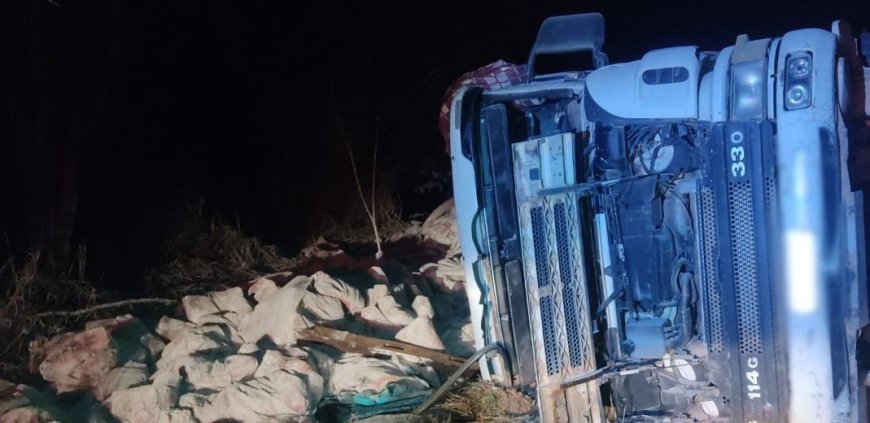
x,y
350,342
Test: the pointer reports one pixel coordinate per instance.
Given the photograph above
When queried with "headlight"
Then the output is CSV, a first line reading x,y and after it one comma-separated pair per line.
x,y
797,96
799,67
798,81
747,90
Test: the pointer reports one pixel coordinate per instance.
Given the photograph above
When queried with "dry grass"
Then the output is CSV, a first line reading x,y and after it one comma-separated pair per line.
x,y
200,258
205,255
351,225
27,289
27,293
488,403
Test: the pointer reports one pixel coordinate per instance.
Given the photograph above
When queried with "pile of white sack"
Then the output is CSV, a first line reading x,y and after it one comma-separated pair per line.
x,y
234,354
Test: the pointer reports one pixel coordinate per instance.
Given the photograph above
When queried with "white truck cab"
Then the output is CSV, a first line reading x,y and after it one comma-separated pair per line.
x,y
675,238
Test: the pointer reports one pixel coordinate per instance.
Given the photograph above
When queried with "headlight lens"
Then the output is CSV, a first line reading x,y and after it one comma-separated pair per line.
x,y
799,67
747,90
798,81
797,96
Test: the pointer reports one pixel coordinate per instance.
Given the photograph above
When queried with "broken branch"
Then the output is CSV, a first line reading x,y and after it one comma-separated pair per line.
x,y
138,301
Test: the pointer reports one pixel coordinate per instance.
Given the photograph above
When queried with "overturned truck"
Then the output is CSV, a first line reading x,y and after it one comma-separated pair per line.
x,y
671,239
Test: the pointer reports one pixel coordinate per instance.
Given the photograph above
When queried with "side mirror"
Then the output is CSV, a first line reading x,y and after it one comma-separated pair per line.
x,y
570,34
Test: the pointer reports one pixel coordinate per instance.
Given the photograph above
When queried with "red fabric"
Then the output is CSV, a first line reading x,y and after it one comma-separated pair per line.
x,y
493,76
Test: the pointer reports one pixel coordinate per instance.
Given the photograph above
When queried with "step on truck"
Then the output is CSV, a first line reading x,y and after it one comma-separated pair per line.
x,y
677,238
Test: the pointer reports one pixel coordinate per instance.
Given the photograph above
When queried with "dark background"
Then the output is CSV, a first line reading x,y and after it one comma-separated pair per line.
x,y
116,113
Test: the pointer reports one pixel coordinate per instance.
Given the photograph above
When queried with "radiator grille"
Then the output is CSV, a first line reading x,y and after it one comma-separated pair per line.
x,y
572,323
770,210
549,329
715,326
542,267
540,240
745,267
554,271
769,197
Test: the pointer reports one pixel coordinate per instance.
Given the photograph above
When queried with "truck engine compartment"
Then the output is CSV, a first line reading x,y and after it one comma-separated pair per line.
x,y
640,191
650,209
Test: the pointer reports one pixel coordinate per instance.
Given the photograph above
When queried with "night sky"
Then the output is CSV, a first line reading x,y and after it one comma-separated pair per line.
x,y
236,103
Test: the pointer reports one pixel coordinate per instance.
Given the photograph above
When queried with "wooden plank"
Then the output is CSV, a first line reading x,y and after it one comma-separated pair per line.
x,y
350,342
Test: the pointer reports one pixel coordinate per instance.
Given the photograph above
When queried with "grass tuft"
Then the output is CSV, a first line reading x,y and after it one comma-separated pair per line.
x,y
29,292
206,256
488,403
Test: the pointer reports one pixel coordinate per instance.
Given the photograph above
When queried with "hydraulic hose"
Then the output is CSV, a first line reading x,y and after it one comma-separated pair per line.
x,y
684,312
458,373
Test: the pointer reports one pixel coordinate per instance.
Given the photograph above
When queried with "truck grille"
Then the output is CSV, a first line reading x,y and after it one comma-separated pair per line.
x,y
738,250
769,196
570,302
572,323
542,268
554,270
715,325
744,263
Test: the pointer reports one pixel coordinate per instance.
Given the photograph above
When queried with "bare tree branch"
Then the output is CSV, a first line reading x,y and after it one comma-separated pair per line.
x,y
370,211
380,252
74,313
359,188
370,208
375,161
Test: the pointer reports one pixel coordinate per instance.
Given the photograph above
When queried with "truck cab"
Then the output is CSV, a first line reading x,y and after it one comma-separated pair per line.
x,y
676,238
